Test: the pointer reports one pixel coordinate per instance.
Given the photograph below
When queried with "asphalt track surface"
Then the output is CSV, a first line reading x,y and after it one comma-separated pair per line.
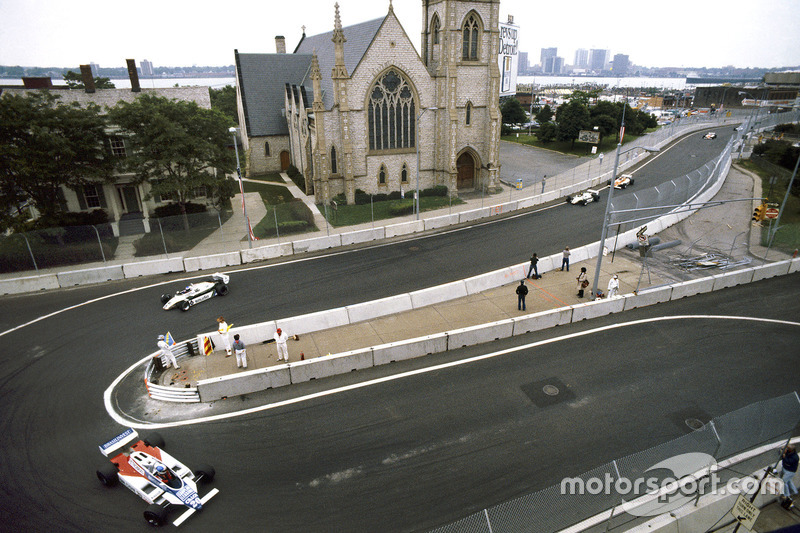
x,y
399,455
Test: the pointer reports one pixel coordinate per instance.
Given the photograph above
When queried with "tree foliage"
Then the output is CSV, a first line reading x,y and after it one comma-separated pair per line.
x,y
75,81
176,146
513,112
572,117
44,145
224,101
545,114
546,132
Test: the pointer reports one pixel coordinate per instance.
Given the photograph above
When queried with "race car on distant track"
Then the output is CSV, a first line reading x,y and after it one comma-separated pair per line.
x,y
586,197
154,475
622,181
710,135
194,293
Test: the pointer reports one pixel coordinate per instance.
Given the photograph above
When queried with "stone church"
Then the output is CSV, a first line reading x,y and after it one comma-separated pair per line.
x,y
360,108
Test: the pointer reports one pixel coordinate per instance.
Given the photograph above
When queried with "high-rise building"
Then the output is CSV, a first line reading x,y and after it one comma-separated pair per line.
x,y
522,68
554,65
598,59
95,69
621,64
547,52
147,68
581,58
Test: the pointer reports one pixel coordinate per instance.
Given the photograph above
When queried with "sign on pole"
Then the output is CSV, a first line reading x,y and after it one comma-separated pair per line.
x,y
745,512
771,212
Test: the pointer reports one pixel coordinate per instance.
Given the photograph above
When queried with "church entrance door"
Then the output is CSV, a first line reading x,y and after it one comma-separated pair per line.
x,y
465,165
285,160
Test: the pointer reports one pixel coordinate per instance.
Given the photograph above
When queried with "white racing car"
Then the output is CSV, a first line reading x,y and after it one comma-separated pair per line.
x,y
622,181
194,293
154,475
582,198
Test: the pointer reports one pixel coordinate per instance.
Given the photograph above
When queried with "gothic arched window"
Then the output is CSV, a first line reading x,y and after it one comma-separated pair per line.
x,y
435,27
391,113
382,176
404,174
334,169
266,149
468,120
470,39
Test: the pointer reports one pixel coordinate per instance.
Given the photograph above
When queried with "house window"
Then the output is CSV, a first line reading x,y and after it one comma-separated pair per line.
x,y
404,174
470,39
266,149
118,146
391,113
469,114
91,195
334,168
382,176
435,27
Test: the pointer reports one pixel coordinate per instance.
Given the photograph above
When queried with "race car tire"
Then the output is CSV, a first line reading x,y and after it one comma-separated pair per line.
x,y
221,289
185,305
584,202
155,515
155,440
206,473
631,183
165,298
108,475
569,199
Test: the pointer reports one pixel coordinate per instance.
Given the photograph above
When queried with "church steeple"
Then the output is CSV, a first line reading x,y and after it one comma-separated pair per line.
x,y
339,69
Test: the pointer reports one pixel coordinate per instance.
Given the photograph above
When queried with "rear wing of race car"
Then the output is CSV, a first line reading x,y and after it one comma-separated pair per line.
x,y
120,441
221,277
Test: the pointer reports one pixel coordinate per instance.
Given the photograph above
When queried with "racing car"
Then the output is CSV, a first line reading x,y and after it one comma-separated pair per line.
x,y
710,135
154,475
622,181
583,198
194,293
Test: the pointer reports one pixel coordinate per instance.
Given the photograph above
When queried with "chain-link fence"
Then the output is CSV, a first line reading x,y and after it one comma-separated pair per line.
x,y
174,234
601,490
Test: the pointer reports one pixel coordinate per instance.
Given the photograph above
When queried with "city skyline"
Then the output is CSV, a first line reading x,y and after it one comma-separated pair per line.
x,y
180,33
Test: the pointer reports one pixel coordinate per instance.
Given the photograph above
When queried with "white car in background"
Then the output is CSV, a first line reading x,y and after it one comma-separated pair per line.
x,y
194,293
582,198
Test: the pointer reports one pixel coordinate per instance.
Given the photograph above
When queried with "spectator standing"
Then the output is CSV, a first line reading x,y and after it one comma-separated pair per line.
x,y
223,330
613,286
789,460
522,291
583,282
240,351
280,341
166,352
534,269
565,258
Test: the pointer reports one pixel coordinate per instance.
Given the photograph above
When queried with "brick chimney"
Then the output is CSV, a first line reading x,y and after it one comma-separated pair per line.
x,y
280,44
133,75
88,79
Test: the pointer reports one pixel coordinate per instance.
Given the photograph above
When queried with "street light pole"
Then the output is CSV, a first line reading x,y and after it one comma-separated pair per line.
x,y
241,188
416,199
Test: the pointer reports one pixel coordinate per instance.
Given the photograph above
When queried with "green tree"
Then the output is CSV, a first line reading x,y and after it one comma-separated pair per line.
x,y
513,112
224,100
45,145
176,146
545,114
546,132
75,81
571,117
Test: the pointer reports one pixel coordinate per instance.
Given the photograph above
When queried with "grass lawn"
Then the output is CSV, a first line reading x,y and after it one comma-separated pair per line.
x,y
293,215
348,215
608,144
274,177
787,238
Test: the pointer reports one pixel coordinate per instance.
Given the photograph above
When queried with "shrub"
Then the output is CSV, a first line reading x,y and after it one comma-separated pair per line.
x,y
173,209
89,218
362,197
381,197
394,195
438,190
292,226
404,207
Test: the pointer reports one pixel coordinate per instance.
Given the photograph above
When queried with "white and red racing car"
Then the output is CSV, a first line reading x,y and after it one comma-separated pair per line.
x,y
194,293
154,475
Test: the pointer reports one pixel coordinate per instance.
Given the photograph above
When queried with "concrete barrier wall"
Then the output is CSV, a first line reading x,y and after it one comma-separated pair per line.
x,y
317,243
597,308
409,349
297,325
490,280
148,268
262,253
90,275
377,308
795,265
649,297
731,279
29,284
770,271
366,235
404,228
472,335
214,389
438,294
212,262
440,222
542,320
331,365
692,287
474,214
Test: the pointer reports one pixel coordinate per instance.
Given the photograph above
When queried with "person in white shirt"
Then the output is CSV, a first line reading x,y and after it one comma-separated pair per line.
x,y
223,332
166,352
280,341
613,286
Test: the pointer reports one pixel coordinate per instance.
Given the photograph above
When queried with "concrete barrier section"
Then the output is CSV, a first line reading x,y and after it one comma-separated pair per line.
x,y
365,235
649,297
148,268
90,275
214,389
404,228
479,334
408,349
262,253
296,325
212,262
438,294
794,266
29,284
440,222
317,243
331,365
499,209
580,254
771,270
474,214
377,308
490,280
597,308
692,287
525,203
731,279
542,320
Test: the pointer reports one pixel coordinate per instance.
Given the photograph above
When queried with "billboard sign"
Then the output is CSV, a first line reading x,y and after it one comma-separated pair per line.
x,y
508,57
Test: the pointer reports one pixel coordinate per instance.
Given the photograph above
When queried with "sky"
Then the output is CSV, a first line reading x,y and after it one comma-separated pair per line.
x,y
679,33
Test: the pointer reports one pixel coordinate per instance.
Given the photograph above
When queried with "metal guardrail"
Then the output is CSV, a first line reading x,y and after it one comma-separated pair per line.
x,y
167,393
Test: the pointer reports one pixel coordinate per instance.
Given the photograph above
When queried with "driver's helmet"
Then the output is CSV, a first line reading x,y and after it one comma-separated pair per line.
x,y
161,470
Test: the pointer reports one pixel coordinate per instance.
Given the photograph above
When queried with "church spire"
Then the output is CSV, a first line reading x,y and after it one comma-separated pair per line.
x,y
339,69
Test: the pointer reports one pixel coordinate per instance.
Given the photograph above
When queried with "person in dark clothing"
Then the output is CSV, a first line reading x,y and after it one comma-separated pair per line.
x,y
522,291
534,269
789,460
